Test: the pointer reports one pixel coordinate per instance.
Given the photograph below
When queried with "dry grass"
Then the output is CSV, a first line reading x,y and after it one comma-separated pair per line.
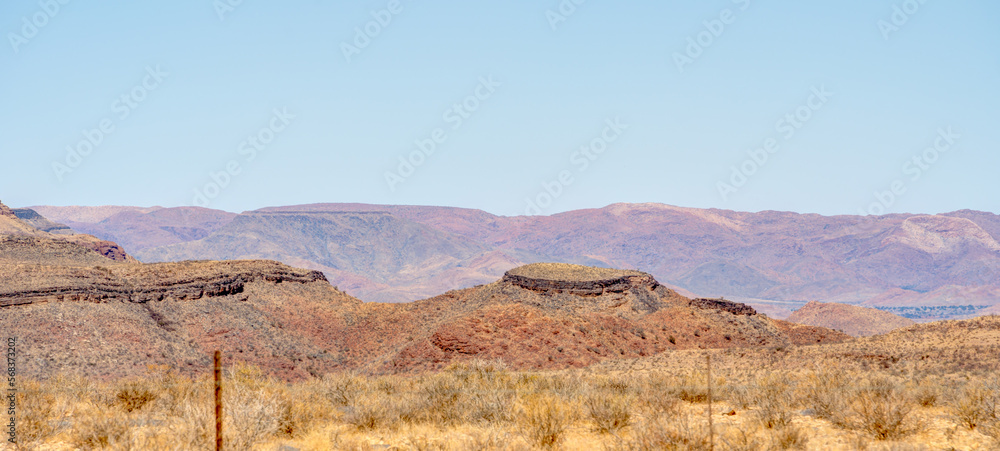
x,y
485,405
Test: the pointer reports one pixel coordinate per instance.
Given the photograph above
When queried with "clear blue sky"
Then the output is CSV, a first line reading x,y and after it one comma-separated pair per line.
x,y
555,86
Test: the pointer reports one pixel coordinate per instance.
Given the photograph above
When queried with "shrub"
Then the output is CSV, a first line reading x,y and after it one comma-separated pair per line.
x,y
373,413
343,389
100,430
882,409
134,395
825,395
790,437
251,408
773,396
674,433
544,420
609,413
37,415
977,403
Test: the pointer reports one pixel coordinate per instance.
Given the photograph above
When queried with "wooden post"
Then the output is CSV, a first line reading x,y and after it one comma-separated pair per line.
x,y
218,401
711,433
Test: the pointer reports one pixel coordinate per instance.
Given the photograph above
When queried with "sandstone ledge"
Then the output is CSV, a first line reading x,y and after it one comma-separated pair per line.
x,y
577,279
157,282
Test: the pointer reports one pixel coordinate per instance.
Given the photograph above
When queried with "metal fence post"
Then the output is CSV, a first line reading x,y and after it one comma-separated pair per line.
x,y
218,401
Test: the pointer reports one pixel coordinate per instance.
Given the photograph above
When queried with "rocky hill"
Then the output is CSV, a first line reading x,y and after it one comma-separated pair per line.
x,y
550,316
851,319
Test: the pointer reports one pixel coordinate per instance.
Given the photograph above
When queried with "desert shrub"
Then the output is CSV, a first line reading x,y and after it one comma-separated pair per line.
x,y
741,396
388,385
927,394
38,417
100,428
609,413
134,394
881,409
250,407
740,439
491,405
977,403
543,420
774,398
374,413
668,433
825,393
566,387
193,425
789,437
343,389
439,402
614,385
692,388
299,413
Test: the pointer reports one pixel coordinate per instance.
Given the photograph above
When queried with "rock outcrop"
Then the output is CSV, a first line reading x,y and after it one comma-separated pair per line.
x,y
144,283
27,222
735,308
577,280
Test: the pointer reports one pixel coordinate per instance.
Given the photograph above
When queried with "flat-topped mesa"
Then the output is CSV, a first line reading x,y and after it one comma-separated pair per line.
x,y
725,305
577,279
155,282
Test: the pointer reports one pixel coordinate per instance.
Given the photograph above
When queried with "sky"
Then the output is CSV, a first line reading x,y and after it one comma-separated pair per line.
x,y
513,107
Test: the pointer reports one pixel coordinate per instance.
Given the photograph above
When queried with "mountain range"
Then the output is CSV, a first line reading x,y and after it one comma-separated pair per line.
x,y
943,266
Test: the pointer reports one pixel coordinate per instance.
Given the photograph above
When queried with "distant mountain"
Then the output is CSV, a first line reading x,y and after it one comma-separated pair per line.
x,y
25,224
40,222
375,255
138,228
851,319
950,260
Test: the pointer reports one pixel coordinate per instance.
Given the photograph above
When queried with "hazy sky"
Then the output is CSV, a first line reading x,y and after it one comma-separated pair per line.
x,y
745,105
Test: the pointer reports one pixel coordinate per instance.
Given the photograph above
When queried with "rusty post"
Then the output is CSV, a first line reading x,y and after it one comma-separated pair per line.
x,y
711,434
218,401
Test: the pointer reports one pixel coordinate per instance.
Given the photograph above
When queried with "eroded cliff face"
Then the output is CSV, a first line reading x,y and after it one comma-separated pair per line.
x,y
79,312
583,287
138,283
26,222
